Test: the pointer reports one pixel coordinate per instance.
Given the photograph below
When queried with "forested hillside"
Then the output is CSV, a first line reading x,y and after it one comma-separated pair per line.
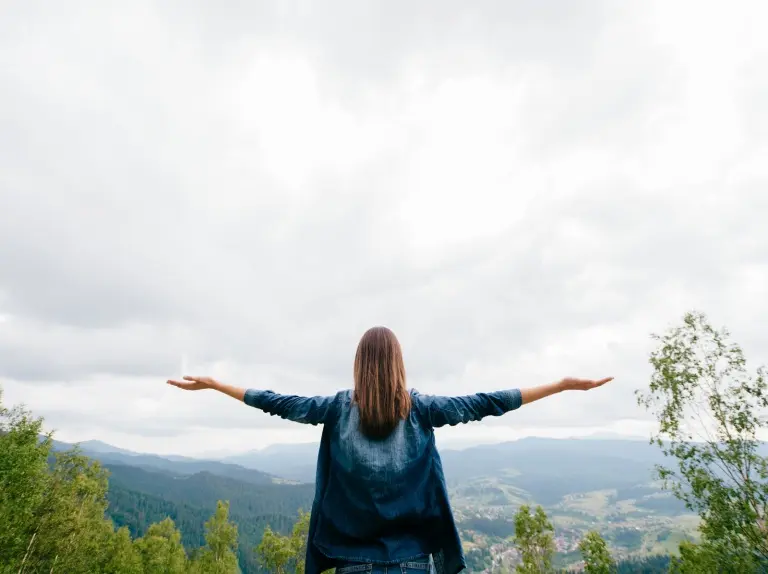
x,y
137,498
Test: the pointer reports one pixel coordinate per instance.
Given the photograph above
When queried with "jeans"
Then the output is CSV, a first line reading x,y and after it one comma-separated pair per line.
x,y
417,566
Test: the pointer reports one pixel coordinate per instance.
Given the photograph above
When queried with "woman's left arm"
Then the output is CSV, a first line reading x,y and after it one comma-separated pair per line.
x,y
307,410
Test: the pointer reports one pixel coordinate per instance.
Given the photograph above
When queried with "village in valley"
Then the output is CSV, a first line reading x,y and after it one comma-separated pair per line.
x,y
630,528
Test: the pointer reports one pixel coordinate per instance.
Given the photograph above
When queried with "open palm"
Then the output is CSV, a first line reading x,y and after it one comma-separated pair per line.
x,y
575,384
193,383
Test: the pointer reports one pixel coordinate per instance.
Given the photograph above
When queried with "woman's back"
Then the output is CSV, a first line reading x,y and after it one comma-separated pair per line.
x,y
380,493
379,497
384,500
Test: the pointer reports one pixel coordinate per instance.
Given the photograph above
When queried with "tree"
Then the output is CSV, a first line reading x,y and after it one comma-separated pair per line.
x,y
597,558
218,556
281,554
709,410
52,515
123,555
73,532
23,484
161,550
534,537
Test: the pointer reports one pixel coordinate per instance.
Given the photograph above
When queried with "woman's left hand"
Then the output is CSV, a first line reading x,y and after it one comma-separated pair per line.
x,y
574,384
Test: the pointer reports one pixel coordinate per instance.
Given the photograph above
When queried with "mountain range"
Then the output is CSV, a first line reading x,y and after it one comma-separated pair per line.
x,y
547,469
588,462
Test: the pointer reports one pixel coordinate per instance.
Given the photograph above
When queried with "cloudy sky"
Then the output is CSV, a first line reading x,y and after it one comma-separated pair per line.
x,y
521,190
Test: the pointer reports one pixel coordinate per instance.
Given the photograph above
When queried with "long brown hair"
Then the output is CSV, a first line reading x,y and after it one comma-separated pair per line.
x,y
380,391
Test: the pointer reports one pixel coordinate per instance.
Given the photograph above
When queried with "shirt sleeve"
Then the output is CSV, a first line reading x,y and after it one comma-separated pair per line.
x,y
442,411
307,410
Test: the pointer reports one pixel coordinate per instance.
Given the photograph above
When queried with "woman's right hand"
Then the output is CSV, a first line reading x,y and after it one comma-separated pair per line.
x,y
194,383
573,384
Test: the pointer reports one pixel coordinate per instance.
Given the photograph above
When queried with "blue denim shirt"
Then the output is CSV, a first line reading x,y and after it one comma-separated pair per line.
x,y
382,501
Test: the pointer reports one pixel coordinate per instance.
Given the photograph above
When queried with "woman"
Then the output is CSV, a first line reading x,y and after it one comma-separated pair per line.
x,y
381,502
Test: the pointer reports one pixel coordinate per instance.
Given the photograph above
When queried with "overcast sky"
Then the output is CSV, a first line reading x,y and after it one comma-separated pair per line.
x,y
521,190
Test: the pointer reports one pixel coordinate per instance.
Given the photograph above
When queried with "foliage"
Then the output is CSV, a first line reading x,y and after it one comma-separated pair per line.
x,y
281,554
534,537
597,558
23,482
478,559
219,555
123,555
709,409
73,530
161,550
53,516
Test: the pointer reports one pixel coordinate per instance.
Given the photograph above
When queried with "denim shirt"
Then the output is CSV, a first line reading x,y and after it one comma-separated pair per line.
x,y
382,501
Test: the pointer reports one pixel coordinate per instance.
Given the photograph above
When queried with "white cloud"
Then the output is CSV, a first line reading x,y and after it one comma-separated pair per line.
x,y
520,194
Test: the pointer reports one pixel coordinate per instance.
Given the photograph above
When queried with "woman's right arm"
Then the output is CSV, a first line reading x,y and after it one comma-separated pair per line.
x,y
307,410
442,411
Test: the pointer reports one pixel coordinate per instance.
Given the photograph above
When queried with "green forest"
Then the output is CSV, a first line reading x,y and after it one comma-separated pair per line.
x,y
64,512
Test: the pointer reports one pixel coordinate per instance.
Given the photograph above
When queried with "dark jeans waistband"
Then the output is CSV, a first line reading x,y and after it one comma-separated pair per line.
x,y
421,564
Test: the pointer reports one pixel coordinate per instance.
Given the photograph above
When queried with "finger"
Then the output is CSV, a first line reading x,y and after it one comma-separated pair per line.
x,y
180,384
193,379
601,382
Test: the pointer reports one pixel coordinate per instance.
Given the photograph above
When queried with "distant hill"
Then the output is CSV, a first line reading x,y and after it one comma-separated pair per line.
x,y
178,466
291,461
97,446
548,468
203,489
102,447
